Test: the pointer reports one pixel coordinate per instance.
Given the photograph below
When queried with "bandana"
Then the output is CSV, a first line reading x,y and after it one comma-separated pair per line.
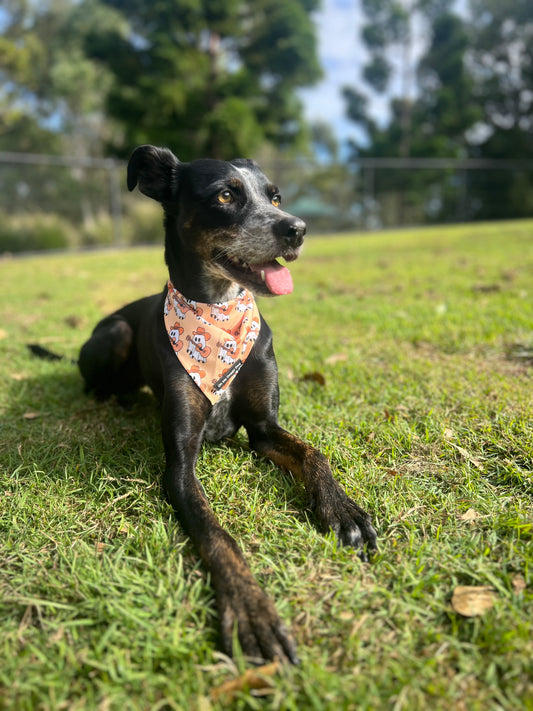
x,y
211,341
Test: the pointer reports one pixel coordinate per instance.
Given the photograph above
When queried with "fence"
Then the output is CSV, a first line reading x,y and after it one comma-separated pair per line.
x,y
59,201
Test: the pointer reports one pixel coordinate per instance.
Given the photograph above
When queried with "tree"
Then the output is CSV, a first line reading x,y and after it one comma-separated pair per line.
x,y
208,77
47,76
473,97
501,60
216,77
432,117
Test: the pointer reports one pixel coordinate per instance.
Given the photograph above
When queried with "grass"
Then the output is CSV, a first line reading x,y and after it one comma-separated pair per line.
x,y
425,341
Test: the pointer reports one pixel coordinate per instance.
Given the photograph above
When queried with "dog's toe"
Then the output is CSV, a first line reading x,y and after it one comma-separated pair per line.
x,y
350,523
249,613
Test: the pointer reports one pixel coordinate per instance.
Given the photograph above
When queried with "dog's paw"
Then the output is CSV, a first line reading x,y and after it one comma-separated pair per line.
x,y
349,522
244,607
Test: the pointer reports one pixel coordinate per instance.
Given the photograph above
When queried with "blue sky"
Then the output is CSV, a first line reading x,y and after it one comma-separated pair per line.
x,y
342,57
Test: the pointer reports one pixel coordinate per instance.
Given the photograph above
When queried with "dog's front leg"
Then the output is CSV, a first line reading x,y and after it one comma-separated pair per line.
x,y
332,506
241,602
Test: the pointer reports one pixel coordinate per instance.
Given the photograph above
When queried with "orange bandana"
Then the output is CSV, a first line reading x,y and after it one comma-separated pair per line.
x,y
211,341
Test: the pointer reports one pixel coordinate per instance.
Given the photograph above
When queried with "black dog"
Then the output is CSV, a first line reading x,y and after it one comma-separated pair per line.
x,y
224,230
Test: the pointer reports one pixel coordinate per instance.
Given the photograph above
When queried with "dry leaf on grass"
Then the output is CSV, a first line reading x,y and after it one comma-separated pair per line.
x,y
3,334
73,321
466,455
336,358
472,600
519,584
315,377
256,679
31,415
470,516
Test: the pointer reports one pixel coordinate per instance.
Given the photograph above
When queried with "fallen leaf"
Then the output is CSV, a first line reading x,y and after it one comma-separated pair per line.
x,y
346,616
315,377
256,679
31,415
466,455
519,584
3,334
470,516
336,358
17,376
472,600
509,274
448,433
486,288
74,321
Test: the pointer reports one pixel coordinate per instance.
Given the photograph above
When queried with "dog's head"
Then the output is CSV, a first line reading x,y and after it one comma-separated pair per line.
x,y
226,216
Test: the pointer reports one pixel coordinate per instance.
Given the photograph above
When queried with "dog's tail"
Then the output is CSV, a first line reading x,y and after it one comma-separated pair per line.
x,y
45,354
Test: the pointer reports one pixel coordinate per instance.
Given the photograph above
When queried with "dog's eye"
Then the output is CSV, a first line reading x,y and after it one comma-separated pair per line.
x,y
276,200
225,197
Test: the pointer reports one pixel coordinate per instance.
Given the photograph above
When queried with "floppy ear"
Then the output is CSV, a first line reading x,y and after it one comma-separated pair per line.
x,y
155,170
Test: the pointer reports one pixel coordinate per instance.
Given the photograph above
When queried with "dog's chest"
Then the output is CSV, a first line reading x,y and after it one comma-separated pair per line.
x,y
219,423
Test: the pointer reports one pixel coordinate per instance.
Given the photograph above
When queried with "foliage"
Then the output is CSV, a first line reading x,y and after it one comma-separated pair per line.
x,y
24,233
501,58
212,78
50,81
426,416
141,223
144,224
468,94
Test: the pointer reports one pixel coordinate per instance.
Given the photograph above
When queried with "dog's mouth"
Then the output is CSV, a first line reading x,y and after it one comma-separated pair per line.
x,y
266,278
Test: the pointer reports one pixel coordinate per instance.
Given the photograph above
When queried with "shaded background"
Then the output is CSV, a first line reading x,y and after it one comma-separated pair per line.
x,y
368,114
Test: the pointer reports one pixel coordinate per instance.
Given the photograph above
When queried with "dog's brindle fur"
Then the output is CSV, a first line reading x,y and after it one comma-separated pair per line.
x,y
215,211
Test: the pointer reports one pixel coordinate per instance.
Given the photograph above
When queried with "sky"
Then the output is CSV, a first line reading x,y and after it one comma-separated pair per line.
x,y
342,57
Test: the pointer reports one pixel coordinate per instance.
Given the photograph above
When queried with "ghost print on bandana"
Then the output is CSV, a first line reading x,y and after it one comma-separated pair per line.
x,y
211,341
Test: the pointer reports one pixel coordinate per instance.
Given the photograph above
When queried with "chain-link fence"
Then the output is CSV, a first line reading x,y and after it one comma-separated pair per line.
x,y
60,201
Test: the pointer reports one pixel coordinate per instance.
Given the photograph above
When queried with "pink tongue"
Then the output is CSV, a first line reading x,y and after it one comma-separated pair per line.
x,y
277,278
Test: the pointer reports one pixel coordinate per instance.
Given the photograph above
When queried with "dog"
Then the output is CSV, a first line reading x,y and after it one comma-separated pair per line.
x,y
224,231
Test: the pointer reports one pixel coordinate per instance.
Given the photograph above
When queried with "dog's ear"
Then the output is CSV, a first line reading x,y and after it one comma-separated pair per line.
x,y
155,170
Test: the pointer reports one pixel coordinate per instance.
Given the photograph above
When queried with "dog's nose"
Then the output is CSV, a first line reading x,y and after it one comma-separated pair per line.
x,y
292,230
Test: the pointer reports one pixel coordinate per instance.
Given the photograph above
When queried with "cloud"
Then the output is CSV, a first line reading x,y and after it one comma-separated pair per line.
x,y
342,57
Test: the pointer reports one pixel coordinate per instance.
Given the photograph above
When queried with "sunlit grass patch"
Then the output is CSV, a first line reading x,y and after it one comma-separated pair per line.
x,y
403,357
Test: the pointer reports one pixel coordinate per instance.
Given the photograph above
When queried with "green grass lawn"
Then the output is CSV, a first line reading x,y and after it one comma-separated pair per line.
x,y
425,342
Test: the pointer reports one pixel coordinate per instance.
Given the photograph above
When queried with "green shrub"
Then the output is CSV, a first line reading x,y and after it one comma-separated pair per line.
x,y
144,223
34,232
98,231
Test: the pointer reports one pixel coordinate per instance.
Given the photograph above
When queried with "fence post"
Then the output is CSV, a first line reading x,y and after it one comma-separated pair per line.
x,y
368,197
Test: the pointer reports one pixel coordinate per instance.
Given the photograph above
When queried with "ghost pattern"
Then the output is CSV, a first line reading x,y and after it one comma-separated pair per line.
x,y
198,348
227,351
217,337
174,334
